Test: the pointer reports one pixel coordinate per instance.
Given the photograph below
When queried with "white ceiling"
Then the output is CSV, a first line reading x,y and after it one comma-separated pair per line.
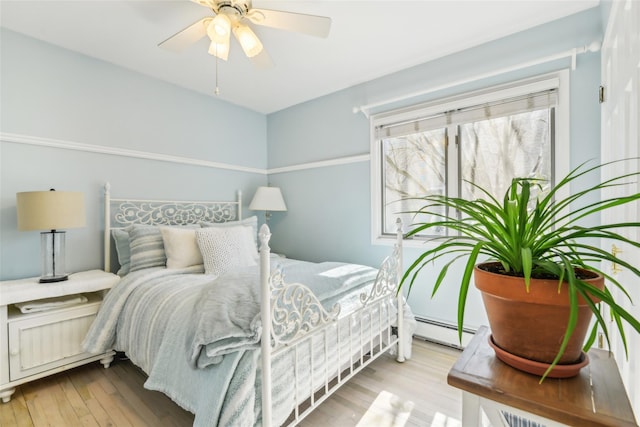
x,y
368,39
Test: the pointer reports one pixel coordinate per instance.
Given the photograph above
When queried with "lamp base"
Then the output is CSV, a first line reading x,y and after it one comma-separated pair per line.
x,y
53,279
53,256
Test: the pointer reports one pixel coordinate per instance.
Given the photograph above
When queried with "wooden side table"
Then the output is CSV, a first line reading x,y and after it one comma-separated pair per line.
x,y
596,397
36,344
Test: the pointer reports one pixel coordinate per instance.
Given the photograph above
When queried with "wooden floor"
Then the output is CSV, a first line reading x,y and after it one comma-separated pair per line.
x,y
93,396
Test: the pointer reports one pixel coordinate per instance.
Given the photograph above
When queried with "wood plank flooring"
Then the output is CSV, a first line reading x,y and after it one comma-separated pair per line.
x,y
93,396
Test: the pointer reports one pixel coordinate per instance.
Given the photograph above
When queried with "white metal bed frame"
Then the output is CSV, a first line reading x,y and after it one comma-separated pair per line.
x,y
290,328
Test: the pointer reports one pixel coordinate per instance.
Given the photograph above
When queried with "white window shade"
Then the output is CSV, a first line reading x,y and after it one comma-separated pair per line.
x,y
532,102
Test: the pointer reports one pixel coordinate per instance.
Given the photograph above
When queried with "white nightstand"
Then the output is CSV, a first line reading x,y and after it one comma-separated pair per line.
x,y
36,344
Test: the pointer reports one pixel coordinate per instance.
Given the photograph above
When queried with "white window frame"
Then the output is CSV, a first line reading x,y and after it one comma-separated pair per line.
x,y
557,80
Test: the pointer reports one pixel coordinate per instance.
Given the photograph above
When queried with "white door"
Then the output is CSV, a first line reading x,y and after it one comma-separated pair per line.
x,y
621,139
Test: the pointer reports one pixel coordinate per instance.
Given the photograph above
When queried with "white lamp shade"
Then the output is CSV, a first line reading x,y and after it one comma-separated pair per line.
x,y
221,50
50,210
219,28
219,31
248,40
268,199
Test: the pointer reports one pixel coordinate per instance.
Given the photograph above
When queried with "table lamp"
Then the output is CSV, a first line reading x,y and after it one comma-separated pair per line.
x,y
51,210
268,199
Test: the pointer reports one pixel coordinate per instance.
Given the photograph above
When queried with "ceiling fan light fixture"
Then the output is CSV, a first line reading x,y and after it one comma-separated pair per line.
x,y
219,28
220,50
233,16
248,40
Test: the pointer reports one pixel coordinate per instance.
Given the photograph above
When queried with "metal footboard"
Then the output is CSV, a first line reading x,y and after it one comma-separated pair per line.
x,y
323,348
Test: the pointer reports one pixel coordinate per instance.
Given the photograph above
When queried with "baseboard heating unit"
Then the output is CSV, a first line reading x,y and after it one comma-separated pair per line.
x,y
442,333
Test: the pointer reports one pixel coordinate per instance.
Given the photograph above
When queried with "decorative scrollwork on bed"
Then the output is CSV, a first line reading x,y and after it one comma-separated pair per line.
x,y
121,213
386,279
295,310
126,212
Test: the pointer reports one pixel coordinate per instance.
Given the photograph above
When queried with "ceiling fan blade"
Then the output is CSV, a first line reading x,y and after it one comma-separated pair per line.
x,y
262,60
312,25
185,38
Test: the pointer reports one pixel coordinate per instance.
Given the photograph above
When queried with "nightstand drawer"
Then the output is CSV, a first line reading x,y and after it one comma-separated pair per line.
x,y
43,341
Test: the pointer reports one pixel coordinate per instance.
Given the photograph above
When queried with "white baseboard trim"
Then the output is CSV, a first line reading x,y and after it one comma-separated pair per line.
x,y
442,333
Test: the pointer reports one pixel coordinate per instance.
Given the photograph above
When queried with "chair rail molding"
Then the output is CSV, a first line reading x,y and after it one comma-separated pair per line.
x,y
321,164
115,151
147,155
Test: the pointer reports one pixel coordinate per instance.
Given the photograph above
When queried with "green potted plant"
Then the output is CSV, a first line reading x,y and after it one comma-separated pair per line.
x,y
539,256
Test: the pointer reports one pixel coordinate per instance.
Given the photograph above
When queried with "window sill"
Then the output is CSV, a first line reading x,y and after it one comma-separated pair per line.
x,y
406,243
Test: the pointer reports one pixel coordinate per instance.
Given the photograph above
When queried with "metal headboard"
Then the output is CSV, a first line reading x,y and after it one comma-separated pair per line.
x,y
120,213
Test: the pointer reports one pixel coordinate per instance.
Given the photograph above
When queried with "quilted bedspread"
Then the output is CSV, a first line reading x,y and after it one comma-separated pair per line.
x,y
197,337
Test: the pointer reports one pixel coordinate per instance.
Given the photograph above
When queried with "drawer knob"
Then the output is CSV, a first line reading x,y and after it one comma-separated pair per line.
x,y
14,352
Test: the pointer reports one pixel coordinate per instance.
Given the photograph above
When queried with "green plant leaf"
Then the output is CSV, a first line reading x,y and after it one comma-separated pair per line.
x,y
464,286
527,265
537,233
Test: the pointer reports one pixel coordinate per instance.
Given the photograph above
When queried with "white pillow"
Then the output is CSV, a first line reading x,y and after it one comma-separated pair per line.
x,y
251,221
181,247
226,248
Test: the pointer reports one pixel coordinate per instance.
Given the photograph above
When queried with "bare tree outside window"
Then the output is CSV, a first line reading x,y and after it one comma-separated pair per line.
x,y
491,153
450,146
494,151
414,166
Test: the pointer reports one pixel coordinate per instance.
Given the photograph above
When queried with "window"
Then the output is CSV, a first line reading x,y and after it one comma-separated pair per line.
x,y
485,138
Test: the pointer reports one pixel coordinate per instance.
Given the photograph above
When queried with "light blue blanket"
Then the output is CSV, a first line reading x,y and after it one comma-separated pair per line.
x,y
227,314
151,313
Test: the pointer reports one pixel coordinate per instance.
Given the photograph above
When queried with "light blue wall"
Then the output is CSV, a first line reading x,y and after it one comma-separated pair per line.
x,y
329,208
605,10
52,93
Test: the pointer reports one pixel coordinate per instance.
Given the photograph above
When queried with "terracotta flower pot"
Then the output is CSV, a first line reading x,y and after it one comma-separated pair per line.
x,y
532,324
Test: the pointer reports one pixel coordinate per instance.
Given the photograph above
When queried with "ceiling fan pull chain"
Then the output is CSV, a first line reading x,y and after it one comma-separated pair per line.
x,y
217,91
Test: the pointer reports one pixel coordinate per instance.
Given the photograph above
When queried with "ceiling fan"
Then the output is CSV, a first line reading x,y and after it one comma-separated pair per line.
x,y
231,16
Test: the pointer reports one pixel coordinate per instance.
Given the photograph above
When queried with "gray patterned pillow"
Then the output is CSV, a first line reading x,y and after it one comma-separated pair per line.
x,y
121,239
147,247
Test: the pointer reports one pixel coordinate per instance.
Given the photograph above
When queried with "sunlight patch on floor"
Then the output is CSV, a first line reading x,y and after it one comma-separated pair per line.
x,y
388,410
441,420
